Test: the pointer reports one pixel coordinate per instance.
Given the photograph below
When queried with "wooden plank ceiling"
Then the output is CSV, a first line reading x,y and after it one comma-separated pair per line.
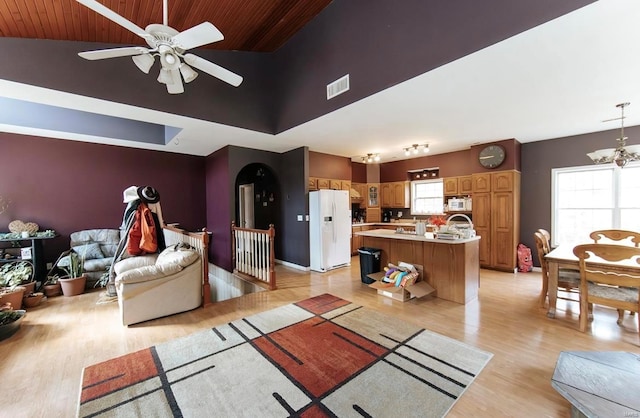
x,y
247,25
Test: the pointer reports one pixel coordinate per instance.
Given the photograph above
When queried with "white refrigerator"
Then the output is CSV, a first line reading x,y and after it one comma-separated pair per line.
x,y
329,229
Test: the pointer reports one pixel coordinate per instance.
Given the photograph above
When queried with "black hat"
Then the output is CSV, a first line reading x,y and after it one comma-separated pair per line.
x,y
148,194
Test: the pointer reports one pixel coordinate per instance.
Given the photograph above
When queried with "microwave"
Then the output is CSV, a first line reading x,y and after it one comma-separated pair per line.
x,y
459,204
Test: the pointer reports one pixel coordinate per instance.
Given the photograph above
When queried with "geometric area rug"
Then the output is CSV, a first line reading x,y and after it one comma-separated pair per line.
x,y
320,357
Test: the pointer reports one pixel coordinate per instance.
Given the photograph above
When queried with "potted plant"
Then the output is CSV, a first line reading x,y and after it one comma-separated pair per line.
x,y
12,275
9,320
52,286
74,282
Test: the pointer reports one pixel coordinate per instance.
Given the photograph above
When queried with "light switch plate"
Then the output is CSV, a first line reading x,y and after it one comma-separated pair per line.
x,y
299,218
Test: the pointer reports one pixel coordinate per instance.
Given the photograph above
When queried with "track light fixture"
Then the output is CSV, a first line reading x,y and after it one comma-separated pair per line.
x,y
370,158
415,149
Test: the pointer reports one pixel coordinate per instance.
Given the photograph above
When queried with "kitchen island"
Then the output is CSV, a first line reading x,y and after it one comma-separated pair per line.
x,y
452,267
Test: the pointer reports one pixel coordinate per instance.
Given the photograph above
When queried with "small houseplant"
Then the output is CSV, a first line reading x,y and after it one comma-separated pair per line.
x,y
73,265
12,275
10,320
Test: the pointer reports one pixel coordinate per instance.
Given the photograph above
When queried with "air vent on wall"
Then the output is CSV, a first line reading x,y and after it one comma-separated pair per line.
x,y
338,87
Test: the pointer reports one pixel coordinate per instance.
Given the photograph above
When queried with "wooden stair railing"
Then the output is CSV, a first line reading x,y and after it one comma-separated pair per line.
x,y
253,256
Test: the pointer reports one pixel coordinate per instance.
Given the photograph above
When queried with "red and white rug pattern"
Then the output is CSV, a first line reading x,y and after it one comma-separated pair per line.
x,y
321,357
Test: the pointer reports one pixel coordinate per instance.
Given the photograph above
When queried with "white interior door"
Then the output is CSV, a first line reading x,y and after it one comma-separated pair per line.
x,y
246,206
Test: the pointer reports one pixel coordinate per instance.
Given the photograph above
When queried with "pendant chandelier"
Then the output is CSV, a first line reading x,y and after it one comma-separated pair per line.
x,y
620,155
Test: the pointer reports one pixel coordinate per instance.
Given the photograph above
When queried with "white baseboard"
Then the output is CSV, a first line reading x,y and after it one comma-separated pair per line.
x,y
293,266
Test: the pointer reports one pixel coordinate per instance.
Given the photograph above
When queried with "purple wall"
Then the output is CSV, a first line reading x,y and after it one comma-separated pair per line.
x,y
539,158
381,43
69,186
222,169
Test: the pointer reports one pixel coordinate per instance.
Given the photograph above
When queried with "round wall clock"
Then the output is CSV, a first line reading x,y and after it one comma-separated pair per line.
x,y
491,156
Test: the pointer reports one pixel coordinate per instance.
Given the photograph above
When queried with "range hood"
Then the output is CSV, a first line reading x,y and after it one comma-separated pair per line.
x,y
354,194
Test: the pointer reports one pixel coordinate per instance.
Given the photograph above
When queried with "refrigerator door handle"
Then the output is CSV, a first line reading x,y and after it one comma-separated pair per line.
x,y
333,216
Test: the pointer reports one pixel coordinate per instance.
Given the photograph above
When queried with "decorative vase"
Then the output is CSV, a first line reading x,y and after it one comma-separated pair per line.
x,y
52,289
7,330
32,300
12,296
73,286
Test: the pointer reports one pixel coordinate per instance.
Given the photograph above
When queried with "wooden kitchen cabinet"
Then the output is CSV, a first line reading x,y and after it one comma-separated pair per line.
x,y
401,194
465,185
385,195
356,241
373,215
372,196
324,183
313,183
335,184
457,186
395,194
345,185
481,182
450,186
496,215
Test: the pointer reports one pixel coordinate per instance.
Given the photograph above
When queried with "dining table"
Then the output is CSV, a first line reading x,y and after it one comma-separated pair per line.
x,y
563,257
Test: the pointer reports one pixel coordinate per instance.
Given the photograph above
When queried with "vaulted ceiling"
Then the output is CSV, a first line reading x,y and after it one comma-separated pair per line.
x,y
258,26
450,74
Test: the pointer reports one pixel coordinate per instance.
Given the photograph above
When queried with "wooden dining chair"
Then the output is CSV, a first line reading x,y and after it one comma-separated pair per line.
x,y
616,235
603,286
546,234
568,279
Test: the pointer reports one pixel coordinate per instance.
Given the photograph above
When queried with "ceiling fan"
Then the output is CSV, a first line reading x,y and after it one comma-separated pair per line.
x,y
168,44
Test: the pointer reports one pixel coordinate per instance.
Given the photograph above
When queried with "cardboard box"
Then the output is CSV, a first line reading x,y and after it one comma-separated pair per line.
x,y
417,290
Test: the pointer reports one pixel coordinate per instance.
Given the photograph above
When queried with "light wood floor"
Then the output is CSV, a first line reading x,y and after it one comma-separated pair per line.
x,y
41,365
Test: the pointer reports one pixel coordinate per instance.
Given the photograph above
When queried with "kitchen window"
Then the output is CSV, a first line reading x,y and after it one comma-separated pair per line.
x,y
427,197
589,198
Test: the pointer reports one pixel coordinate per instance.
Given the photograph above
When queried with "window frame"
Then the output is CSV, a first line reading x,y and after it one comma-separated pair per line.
x,y
616,184
414,184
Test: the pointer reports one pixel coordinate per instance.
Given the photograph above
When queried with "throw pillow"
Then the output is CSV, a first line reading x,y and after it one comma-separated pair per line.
x,y
89,251
178,255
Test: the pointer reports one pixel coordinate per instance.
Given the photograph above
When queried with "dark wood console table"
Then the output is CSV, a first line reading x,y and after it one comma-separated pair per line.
x,y
37,256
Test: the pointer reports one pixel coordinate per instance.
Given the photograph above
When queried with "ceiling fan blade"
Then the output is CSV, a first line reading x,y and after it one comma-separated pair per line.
x,y
213,69
202,34
113,53
175,86
113,16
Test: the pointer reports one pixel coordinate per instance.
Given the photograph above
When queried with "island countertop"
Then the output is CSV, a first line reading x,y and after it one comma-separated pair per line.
x,y
388,233
452,267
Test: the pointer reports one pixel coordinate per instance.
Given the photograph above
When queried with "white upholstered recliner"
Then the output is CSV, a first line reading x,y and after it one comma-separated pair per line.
x,y
157,285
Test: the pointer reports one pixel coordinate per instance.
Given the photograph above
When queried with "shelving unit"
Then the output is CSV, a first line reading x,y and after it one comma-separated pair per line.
x,y
37,257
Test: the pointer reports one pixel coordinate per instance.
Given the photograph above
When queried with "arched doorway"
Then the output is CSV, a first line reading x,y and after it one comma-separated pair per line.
x,y
258,198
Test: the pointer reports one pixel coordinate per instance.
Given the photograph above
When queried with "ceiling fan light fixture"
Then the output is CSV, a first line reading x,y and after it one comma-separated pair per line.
x,y
144,62
622,154
164,77
187,73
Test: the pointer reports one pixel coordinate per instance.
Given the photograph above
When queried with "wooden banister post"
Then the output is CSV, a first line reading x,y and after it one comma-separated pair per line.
x,y
206,286
272,258
233,245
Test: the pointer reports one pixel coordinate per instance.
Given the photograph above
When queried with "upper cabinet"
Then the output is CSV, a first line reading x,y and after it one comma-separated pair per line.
x,y
395,194
373,198
455,186
481,182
